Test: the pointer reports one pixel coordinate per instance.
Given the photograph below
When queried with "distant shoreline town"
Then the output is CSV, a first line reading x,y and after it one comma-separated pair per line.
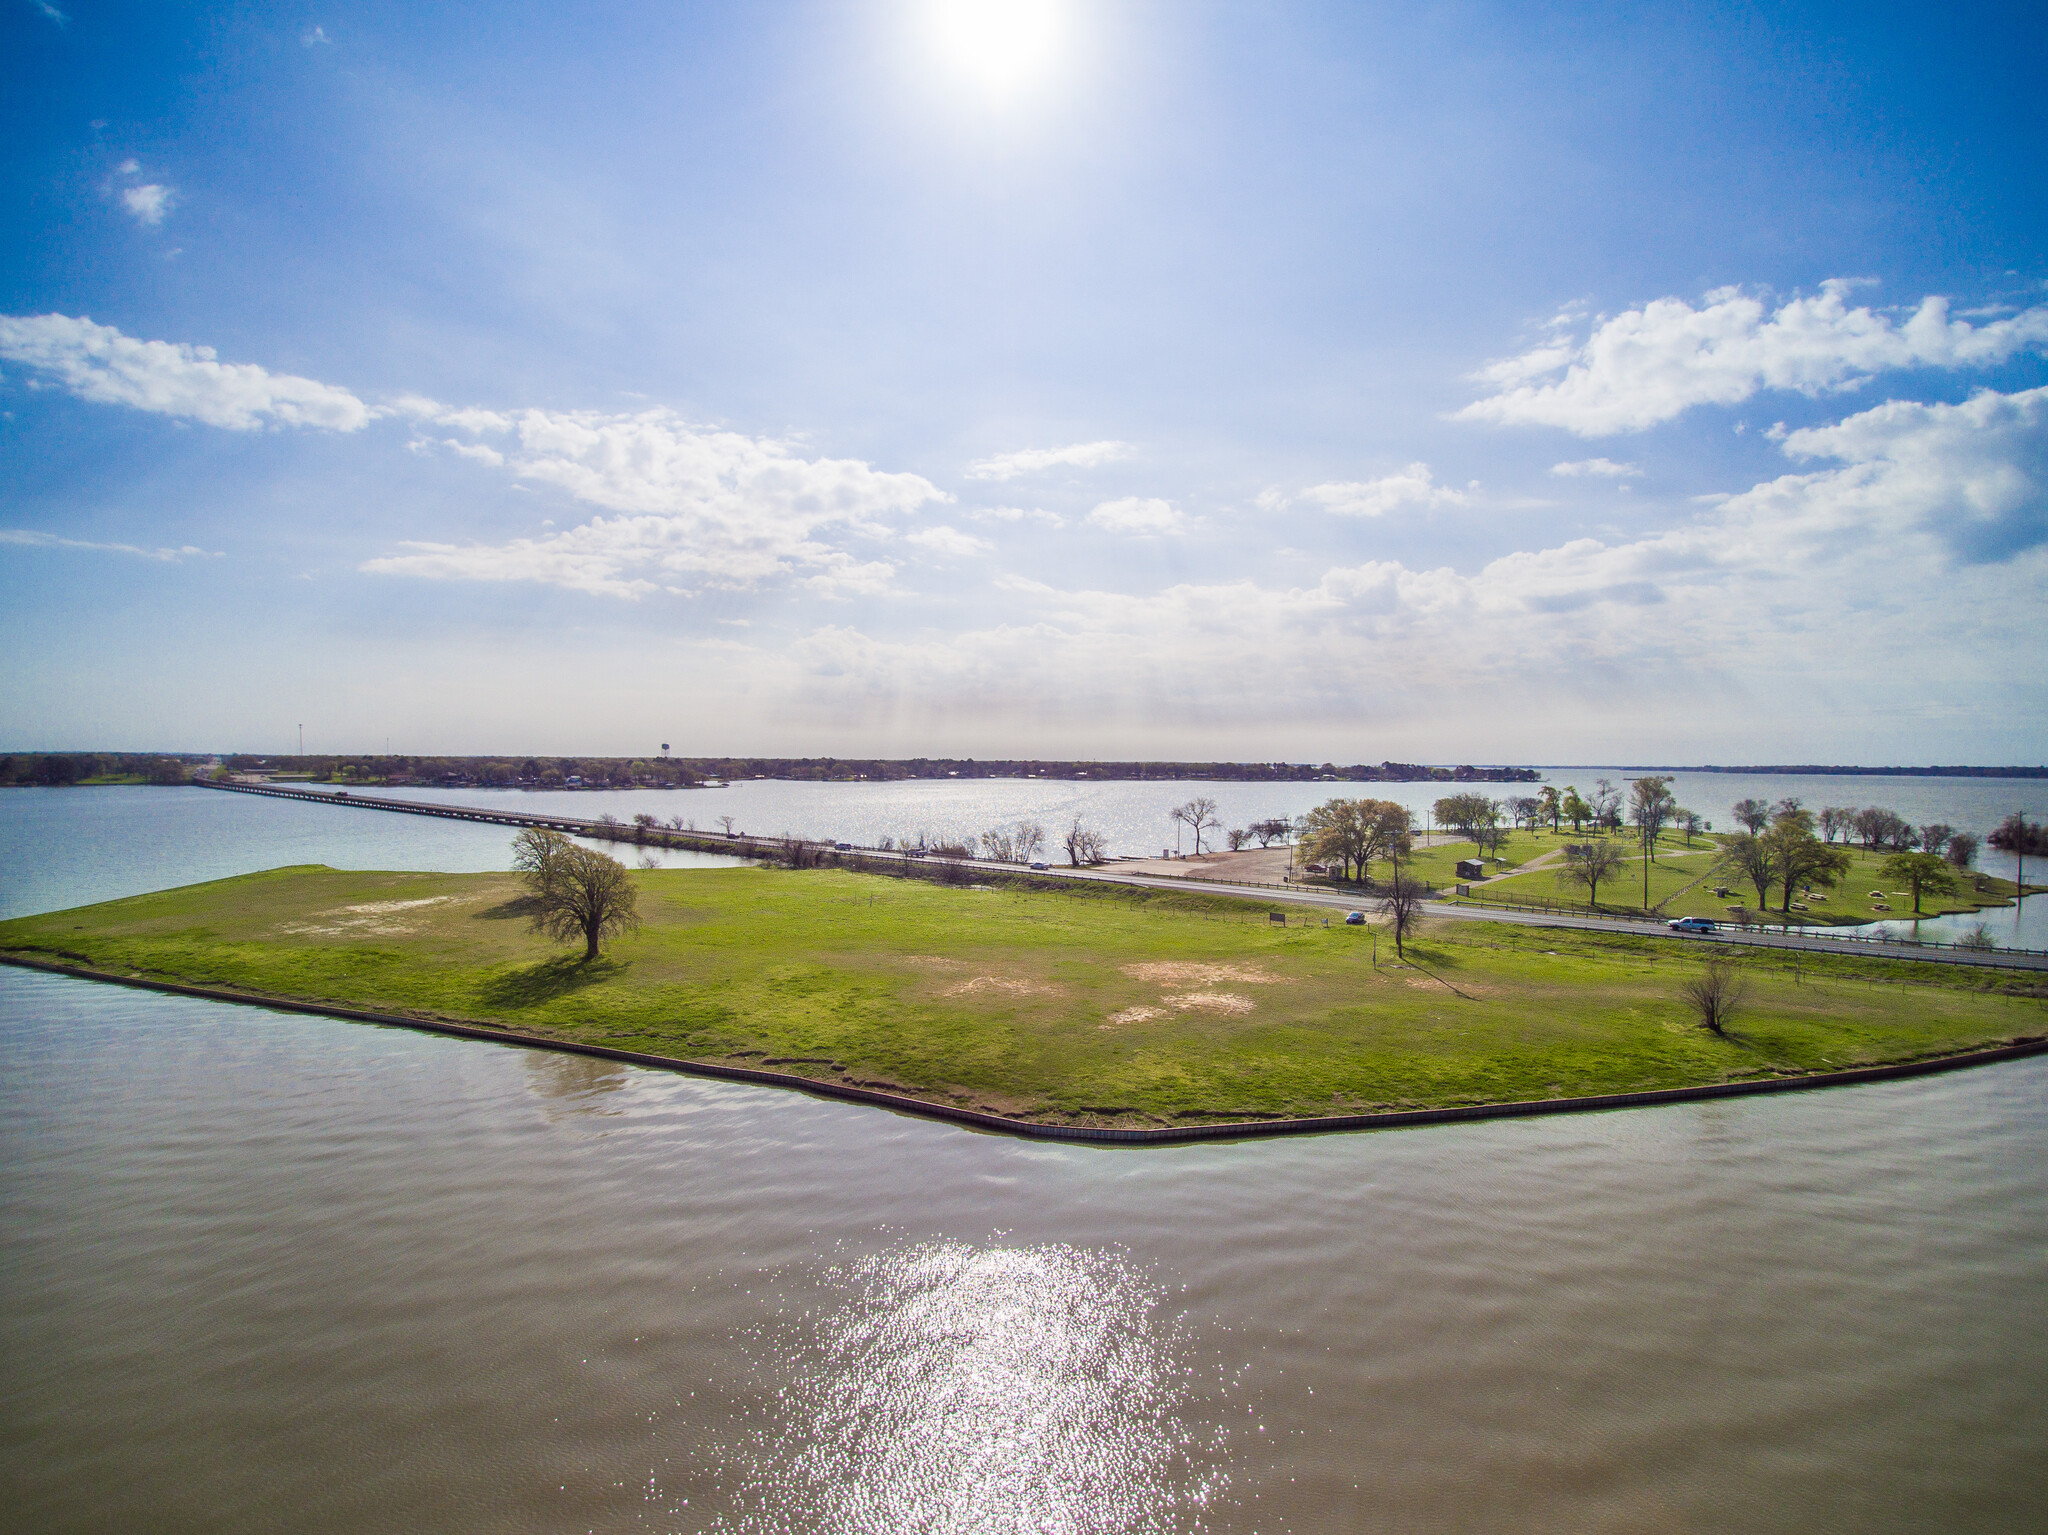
x,y
664,771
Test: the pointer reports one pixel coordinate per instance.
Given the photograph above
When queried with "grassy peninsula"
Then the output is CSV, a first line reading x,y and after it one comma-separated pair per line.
x,y
1106,1005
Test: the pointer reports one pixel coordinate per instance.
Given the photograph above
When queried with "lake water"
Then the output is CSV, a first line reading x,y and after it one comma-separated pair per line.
x,y
261,1271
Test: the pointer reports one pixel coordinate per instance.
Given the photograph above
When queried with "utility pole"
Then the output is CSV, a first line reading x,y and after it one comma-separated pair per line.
x,y
302,740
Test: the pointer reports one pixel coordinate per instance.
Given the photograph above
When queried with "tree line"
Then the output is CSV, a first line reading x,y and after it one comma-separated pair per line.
x,y
53,769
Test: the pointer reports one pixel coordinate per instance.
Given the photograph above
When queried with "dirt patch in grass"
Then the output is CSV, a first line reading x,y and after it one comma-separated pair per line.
x,y
1180,972
1208,1002
368,919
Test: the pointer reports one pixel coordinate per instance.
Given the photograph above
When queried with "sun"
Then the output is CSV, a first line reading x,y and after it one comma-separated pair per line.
x,y
999,48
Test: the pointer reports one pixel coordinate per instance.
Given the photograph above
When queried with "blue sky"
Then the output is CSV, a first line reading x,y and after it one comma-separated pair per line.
x,y
1027,377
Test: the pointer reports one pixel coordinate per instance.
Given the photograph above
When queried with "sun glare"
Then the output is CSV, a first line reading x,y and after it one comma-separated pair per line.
x,y
998,47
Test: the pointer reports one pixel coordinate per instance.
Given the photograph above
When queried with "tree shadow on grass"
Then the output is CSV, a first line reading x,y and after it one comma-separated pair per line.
x,y
518,906
549,980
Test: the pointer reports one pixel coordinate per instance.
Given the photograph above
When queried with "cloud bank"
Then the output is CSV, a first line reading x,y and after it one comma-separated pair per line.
x,y
100,364
698,505
1649,365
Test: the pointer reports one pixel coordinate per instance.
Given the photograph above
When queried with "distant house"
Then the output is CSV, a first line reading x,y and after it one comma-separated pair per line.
x,y
1471,868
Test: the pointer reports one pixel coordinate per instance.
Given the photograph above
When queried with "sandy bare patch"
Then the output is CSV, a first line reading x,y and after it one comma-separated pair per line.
x,y
370,918
1138,1014
1179,972
1209,1002
1009,985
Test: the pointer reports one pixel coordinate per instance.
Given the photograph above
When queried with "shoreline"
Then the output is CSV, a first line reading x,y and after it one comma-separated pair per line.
x,y
1242,1129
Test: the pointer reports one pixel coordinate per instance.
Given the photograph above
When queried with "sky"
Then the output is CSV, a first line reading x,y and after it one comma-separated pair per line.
x,y
1436,382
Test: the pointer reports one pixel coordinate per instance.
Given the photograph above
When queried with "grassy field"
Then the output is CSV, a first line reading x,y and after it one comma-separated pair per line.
x,y
1110,1005
1681,886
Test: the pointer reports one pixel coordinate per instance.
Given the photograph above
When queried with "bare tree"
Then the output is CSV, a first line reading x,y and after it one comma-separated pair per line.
x,y
1403,909
1754,815
578,892
725,821
1083,844
1962,849
1689,822
998,846
1589,865
1030,841
1715,993
1606,803
1835,821
1935,837
1237,837
1200,817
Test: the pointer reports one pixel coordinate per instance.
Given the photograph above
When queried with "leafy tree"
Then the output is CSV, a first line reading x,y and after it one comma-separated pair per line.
x,y
577,891
1961,851
1590,865
1689,822
1754,815
1750,857
1919,872
1575,809
1274,829
1802,859
1552,805
1476,817
1650,805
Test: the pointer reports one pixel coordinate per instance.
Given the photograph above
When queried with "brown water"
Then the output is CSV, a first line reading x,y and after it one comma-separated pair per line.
x,y
264,1272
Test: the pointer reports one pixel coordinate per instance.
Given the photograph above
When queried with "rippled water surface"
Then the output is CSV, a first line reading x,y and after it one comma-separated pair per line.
x,y
261,1272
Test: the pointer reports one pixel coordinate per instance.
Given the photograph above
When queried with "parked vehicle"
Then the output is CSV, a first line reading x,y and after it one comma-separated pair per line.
x,y
1355,919
1692,925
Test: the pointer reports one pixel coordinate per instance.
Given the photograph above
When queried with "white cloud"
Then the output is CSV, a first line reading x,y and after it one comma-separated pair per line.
x,y
1926,538
945,540
130,167
1140,516
1651,364
100,364
148,203
1597,468
52,12
1080,455
28,538
480,452
316,38
1413,486
698,504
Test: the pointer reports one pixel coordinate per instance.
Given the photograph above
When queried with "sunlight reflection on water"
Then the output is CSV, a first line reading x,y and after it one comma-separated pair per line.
x,y
988,1389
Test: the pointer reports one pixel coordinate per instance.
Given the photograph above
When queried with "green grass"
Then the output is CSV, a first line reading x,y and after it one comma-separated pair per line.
x,y
1039,1004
